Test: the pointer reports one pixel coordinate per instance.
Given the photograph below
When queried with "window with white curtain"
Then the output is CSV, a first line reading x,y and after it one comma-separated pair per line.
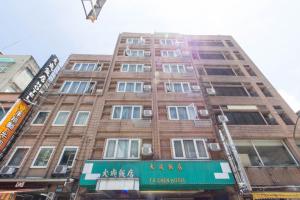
x,y
77,87
180,87
82,118
126,112
174,68
132,68
170,53
135,41
122,149
189,149
86,67
182,112
130,86
134,53
168,42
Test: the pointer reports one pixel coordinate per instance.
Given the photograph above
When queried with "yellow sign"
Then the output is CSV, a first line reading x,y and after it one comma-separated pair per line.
x,y
276,195
11,122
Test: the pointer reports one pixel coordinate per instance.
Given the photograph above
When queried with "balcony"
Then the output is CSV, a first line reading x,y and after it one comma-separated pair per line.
x,y
273,176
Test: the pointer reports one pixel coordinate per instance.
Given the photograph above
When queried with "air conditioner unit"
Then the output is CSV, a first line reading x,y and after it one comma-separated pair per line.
x,y
190,68
6,170
147,150
147,53
147,113
147,88
214,146
203,112
211,91
222,118
147,68
196,87
61,169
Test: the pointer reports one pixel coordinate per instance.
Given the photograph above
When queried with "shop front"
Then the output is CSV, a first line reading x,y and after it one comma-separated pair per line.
x,y
139,179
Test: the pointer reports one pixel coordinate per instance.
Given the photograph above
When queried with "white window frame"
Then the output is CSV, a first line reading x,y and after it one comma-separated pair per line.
x,y
72,82
48,111
53,123
172,87
188,113
60,157
87,121
195,145
164,66
12,155
116,146
134,88
37,154
79,70
131,50
136,67
164,42
131,117
139,41
168,52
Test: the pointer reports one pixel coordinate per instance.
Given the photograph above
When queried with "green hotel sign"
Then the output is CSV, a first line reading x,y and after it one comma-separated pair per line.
x,y
160,175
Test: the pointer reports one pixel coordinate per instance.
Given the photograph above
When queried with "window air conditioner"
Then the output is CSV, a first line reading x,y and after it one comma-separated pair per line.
x,y
6,170
222,118
147,113
147,53
147,68
196,87
147,150
211,91
203,113
61,169
214,146
147,88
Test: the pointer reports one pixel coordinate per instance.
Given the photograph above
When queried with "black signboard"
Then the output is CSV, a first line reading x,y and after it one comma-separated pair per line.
x,y
32,90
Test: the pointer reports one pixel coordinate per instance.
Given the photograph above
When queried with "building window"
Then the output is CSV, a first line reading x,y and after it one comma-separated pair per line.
x,y
250,70
220,71
229,43
82,118
40,118
61,118
245,118
3,112
18,156
132,68
77,87
86,67
230,91
122,149
130,87
42,157
135,53
169,53
180,87
238,55
135,41
182,112
167,42
68,156
174,68
264,153
189,149
287,120
211,43
127,112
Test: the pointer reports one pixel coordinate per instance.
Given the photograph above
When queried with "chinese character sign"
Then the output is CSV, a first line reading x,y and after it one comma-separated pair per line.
x,y
11,122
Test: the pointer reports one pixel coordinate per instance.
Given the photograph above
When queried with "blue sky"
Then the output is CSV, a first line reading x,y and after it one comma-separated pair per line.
x,y
268,30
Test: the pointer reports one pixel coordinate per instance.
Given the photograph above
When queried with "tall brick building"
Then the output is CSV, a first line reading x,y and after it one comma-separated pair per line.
x,y
143,124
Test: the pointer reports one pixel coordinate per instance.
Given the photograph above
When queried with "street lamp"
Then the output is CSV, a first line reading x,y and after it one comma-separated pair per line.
x,y
295,127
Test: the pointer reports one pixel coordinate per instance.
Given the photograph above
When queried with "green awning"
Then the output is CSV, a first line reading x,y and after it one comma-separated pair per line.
x,y
7,60
161,175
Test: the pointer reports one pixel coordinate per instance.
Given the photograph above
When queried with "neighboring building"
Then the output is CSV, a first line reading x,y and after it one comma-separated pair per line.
x,y
141,125
16,72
